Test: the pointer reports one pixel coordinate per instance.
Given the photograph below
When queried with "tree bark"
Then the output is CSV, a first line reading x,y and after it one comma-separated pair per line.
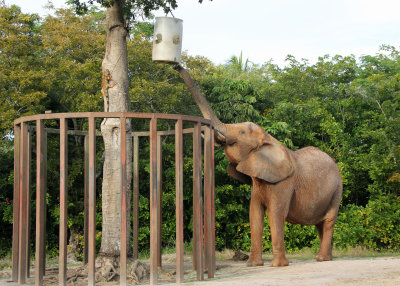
x,y
115,61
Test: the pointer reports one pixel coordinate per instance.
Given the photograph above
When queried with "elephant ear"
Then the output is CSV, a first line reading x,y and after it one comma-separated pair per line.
x,y
270,162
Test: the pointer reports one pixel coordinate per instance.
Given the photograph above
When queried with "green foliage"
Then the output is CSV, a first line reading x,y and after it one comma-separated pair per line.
x,y
238,96
375,226
23,78
231,202
143,29
154,87
6,194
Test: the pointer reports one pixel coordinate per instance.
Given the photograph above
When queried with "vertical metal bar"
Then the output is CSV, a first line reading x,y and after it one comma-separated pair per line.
x,y
85,200
213,259
206,199
23,214
28,205
179,201
135,197
45,204
16,202
153,203
40,201
208,180
92,202
197,202
124,184
194,259
62,264
159,198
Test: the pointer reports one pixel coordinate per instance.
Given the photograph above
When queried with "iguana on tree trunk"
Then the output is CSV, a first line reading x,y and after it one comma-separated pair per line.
x,y
105,85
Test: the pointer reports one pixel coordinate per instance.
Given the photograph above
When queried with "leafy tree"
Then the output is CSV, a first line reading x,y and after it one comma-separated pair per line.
x,y
23,78
237,66
72,50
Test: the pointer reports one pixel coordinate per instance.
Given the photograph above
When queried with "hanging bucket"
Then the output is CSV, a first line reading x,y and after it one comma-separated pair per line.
x,y
167,40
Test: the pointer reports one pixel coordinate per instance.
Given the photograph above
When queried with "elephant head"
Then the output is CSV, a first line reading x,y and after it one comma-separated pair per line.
x,y
250,150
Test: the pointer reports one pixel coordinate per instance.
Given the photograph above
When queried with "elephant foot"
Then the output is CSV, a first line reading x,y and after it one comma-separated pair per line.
x,y
323,257
254,262
278,262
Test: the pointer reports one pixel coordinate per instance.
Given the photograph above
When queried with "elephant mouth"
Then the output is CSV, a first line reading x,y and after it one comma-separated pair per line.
x,y
223,139
220,138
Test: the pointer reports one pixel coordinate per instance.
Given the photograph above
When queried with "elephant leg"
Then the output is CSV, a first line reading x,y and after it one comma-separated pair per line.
x,y
325,232
257,214
277,224
325,228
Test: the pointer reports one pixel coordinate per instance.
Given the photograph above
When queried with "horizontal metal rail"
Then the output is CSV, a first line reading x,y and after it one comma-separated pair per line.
x,y
49,116
133,133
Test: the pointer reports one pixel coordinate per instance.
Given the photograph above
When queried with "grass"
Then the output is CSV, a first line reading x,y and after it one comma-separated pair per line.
x,y
363,252
309,254
5,263
303,254
351,252
227,254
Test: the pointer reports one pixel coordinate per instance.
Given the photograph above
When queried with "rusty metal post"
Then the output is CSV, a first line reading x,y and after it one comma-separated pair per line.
x,y
208,206
124,185
28,205
154,224
179,201
45,204
92,202
16,202
23,212
85,200
197,203
40,201
159,198
213,201
62,264
135,204
206,137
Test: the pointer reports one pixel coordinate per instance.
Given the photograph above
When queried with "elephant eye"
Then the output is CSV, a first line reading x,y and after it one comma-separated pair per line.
x,y
241,132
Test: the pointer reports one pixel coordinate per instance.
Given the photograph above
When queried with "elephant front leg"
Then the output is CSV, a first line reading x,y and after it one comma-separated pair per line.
x,y
277,224
257,213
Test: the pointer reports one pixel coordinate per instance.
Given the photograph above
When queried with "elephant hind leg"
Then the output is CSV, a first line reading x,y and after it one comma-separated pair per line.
x,y
325,232
325,228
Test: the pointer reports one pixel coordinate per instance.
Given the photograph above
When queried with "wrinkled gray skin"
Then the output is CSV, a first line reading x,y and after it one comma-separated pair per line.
x,y
300,187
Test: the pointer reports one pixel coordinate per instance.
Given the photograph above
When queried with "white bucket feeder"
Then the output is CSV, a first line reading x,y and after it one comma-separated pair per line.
x,y
167,40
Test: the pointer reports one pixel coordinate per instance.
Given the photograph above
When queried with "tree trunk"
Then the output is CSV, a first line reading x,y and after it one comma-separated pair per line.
x,y
116,88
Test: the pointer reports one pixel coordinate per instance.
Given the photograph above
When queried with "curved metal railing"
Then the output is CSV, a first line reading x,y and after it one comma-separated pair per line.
x,y
26,127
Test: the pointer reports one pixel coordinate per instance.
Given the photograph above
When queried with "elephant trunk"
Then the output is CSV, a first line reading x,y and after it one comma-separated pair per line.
x,y
203,104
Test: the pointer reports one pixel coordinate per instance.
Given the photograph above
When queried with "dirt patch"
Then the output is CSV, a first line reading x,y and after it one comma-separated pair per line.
x,y
354,271
341,271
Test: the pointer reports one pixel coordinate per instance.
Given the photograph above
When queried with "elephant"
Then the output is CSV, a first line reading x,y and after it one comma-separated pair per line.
x,y
300,187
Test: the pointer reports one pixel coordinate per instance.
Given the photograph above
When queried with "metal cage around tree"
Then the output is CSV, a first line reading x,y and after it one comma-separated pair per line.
x,y
29,127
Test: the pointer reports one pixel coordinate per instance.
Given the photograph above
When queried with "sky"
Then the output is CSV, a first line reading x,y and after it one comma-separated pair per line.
x,y
272,29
